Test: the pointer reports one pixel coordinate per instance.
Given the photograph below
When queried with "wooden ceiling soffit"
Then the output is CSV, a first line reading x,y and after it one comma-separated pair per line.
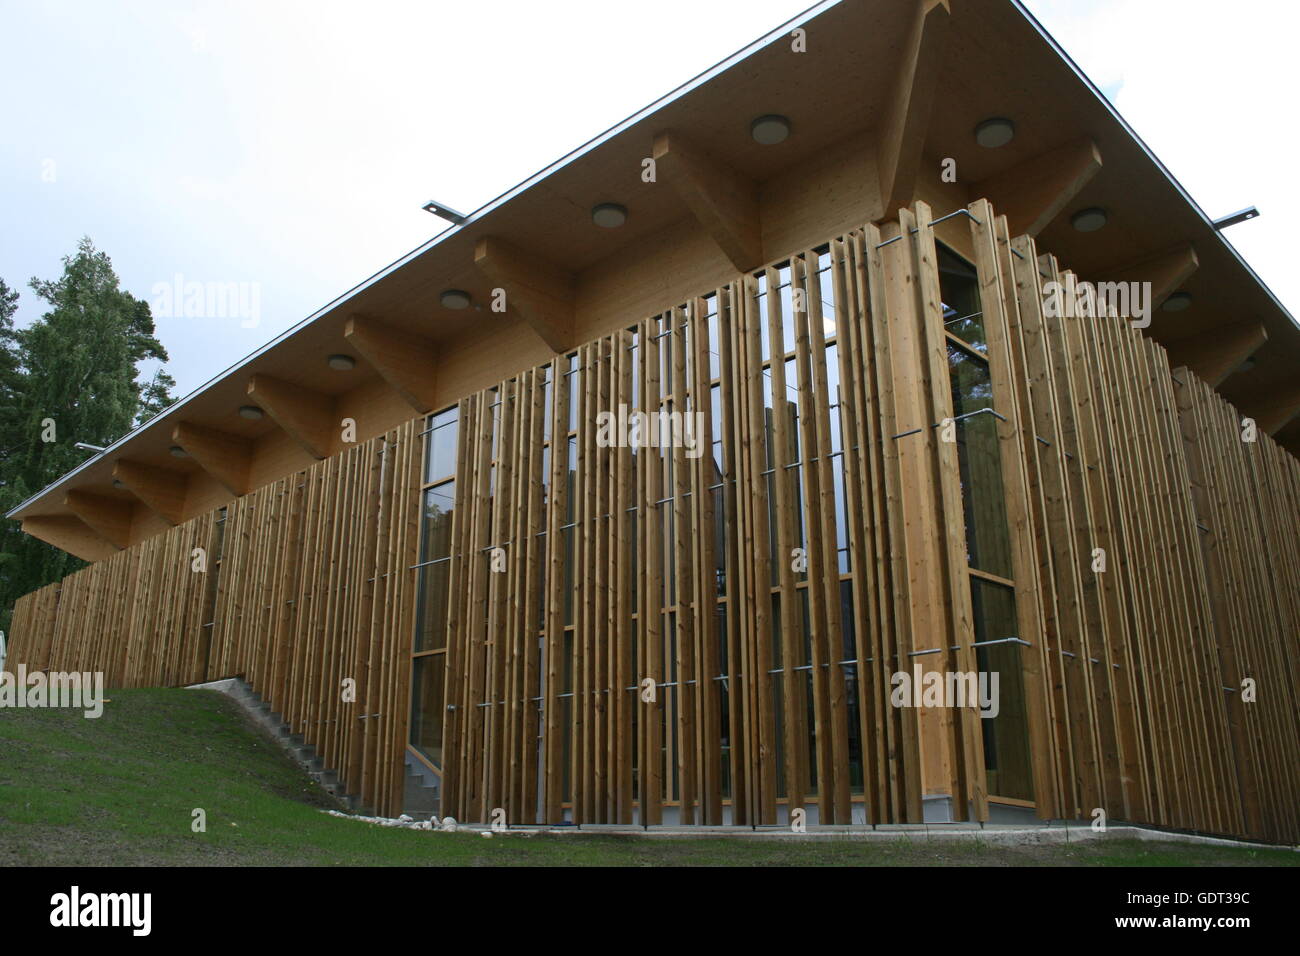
x,y
902,135
161,490
404,360
307,416
1213,356
69,533
723,201
227,458
534,289
1033,193
110,518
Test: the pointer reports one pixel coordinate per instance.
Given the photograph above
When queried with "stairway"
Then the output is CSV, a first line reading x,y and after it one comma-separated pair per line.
x,y
273,724
422,792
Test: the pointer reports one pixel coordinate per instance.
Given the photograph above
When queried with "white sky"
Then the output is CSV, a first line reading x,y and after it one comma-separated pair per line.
x,y
292,144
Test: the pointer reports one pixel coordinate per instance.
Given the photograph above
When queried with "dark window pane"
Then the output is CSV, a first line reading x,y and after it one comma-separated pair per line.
x,y
959,288
1006,736
435,535
428,706
988,544
432,632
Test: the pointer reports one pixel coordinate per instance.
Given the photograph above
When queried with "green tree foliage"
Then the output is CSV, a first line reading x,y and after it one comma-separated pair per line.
x,y
77,366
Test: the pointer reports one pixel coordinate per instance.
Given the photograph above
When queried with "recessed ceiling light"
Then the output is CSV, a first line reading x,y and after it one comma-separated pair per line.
x,y
1089,220
178,452
251,412
1178,302
342,362
770,129
994,133
609,215
1247,365
454,299
117,483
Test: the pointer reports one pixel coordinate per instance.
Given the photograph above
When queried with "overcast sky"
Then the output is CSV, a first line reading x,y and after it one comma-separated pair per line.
x,y
291,145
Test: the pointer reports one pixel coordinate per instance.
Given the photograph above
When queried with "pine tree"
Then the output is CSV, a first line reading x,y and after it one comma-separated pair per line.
x,y
76,366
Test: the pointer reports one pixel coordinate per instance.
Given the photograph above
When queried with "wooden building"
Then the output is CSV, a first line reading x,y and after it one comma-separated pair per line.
x,y
830,263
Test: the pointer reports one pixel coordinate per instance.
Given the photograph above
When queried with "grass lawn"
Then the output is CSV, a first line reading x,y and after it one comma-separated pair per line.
x,y
120,790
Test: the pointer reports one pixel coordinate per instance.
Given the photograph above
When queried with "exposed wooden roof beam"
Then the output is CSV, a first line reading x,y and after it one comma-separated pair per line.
x,y
226,457
535,289
1273,407
161,490
1212,357
907,119
110,518
1288,436
1036,191
69,533
722,200
306,415
405,361
1166,271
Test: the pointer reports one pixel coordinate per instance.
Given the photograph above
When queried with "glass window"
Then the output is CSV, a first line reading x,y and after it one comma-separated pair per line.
x,y
1006,736
435,531
988,544
432,632
959,287
427,706
428,699
440,461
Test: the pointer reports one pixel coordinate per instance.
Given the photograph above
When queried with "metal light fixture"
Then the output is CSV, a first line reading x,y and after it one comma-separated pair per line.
x,y
444,212
1089,220
251,412
454,299
609,215
770,129
86,447
1178,302
342,363
178,452
1250,212
995,132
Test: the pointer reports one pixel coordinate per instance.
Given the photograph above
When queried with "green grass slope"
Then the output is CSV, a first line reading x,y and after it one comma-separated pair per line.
x,y
121,790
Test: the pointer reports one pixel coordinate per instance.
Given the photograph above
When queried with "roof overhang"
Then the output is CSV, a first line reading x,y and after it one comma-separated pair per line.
x,y
999,62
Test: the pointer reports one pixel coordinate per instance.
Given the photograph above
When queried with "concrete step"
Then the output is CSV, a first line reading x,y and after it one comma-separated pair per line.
x,y
422,792
272,723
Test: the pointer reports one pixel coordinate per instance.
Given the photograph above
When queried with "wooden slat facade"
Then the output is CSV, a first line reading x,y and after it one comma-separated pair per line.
x,y
652,635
